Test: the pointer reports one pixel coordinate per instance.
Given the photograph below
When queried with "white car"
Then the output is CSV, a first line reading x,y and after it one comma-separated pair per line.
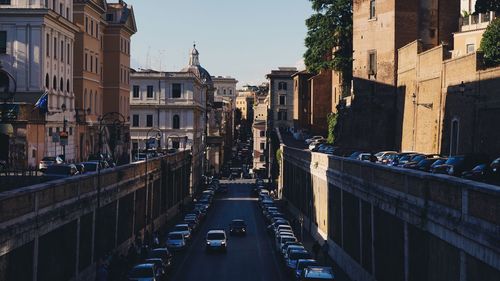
x,y
380,155
315,138
184,229
216,240
315,143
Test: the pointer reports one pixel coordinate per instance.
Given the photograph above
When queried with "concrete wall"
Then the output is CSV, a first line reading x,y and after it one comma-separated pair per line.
x,y
386,223
58,222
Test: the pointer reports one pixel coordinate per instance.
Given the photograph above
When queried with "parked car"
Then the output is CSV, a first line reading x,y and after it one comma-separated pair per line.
x,y
161,272
143,272
57,171
238,226
294,256
395,159
175,240
495,169
415,160
301,265
355,155
318,273
380,155
91,167
456,165
426,164
184,229
216,239
315,138
315,145
163,254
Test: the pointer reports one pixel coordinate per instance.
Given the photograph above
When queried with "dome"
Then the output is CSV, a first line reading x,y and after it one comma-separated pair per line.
x,y
195,67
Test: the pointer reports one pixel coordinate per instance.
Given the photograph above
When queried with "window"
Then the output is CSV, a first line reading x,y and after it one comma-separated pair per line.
x,y
62,51
262,146
175,144
91,63
86,62
150,92
67,12
372,9
262,158
96,63
60,8
149,120
50,132
54,83
68,54
176,90
91,27
55,48
282,99
176,122
70,131
61,85
5,2
135,120
86,24
262,133
224,92
282,86
282,115
47,45
230,92
109,17
47,81
67,86
470,48
372,63
135,92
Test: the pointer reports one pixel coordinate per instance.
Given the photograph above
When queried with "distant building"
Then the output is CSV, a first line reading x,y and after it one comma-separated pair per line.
x,y
176,103
244,102
320,86
302,100
281,97
259,131
36,47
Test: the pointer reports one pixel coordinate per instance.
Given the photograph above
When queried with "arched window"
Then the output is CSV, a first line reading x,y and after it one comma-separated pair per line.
x,y
67,86
176,122
95,102
54,83
47,81
61,85
90,101
85,98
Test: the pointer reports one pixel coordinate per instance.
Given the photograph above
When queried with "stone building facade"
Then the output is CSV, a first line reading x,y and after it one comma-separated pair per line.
x,y
38,52
281,97
301,100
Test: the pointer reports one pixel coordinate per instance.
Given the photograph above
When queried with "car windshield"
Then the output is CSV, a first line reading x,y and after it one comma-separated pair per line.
x,y
181,228
175,236
238,223
405,158
215,236
160,254
48,159
286,239
418,158
90,166
141,272
59,170
304,264
455,160
299,255
479,168
438,162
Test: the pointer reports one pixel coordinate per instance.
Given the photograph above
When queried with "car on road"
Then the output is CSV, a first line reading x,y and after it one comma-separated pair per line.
x,y
301,265
46,162
383,154
292,247
143,272
175,240
456,165
216,239
281,240
238,226
163,254
161,272
317,273
91,166
58,171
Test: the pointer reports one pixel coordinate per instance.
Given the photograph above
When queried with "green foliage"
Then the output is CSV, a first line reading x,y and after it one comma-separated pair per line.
x,y
483,6
278,155
332,122
490,44
329,37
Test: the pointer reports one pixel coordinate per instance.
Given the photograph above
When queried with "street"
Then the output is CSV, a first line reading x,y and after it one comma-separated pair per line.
x,y
250,257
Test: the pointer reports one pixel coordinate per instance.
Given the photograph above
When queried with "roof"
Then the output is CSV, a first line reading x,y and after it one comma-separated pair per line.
x,y
319,272
195,67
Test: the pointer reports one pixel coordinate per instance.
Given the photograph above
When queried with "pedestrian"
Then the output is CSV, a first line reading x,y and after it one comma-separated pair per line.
x,y
325,249
316,247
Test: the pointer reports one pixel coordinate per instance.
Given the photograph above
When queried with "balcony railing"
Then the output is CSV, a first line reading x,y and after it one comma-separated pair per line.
x,y
476,21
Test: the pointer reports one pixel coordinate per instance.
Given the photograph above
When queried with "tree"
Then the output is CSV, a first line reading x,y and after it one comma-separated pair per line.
x,y
483,6
329,37
490,44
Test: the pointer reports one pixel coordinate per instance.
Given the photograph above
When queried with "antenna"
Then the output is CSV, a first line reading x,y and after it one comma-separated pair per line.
x,y
160,54
148,59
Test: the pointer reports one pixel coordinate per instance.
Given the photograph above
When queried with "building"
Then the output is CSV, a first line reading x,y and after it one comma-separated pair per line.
x,y
451,100
375,113
281,97
302,100
120,26
176,104
36,48
244,102
259,132
320,86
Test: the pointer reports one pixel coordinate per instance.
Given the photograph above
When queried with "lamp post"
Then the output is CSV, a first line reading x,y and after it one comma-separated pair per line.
x,y
159,134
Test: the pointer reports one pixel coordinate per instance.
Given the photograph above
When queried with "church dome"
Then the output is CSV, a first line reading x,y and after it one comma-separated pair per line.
x,y
195,67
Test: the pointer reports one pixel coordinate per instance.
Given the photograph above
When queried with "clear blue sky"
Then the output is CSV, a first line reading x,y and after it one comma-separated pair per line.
x,y
244,39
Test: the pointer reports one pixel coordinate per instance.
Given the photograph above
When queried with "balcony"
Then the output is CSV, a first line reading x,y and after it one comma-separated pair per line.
x,y
476,21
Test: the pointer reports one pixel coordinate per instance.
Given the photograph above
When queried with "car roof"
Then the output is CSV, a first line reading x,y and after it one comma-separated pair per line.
x,y
144,265
216,231
176,232
182,224
318,272
238,220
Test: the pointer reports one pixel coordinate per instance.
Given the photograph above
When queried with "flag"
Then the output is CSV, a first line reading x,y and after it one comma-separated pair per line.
x,y
42,103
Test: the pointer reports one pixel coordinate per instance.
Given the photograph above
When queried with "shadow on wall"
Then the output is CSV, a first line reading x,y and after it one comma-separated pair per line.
x,y
471,122
373,121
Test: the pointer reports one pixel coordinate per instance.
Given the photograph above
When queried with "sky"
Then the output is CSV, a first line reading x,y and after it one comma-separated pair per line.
x,y
243,39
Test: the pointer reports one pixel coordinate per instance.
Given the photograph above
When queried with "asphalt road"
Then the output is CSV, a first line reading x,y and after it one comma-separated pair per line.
x,y
251,257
